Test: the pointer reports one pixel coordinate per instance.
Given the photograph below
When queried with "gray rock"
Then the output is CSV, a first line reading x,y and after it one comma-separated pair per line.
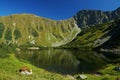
x,y
87,18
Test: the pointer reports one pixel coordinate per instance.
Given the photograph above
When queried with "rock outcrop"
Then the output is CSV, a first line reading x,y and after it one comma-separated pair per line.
x,y
87,18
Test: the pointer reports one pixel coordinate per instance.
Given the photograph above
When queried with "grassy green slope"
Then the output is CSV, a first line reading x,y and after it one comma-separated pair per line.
x,y
28,29
104,35
88,36
10,65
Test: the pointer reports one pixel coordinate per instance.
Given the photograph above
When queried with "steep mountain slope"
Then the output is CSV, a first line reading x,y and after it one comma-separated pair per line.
x,y
99,29
87,18
89,37
28,29
106,36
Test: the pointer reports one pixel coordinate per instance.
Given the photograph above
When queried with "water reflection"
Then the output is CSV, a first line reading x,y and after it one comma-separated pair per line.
x,y
63,61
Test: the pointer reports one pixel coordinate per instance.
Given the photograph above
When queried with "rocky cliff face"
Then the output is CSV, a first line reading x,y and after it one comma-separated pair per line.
x,y
87,18
27,29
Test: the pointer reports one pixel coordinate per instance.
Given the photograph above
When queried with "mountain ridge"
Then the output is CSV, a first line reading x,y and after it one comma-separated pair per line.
x,y
87,18
30,29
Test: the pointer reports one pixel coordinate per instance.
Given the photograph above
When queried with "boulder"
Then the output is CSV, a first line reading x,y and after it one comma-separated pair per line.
x,y
81,77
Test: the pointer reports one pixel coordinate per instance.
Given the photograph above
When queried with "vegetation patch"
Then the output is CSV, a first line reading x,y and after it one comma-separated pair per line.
x,y
17,34
1,30
10,65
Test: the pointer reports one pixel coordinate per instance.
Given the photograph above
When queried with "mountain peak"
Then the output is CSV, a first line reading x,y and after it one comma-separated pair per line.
x,y
29,29
118,8
87,18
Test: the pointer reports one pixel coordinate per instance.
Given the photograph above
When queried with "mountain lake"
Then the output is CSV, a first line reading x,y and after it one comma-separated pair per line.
x,y
64,61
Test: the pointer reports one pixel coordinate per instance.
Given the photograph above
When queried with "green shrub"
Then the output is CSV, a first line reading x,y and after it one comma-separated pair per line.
x,y
33,32
1,29
8,34
17,34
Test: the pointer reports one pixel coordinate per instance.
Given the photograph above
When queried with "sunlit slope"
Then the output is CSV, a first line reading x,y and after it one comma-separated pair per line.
x,y
28,29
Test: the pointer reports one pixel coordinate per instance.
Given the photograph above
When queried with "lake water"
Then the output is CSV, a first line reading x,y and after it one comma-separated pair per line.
x,y
64,61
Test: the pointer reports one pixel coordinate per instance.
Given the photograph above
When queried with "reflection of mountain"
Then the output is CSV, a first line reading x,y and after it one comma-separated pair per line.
x,y
63,61
54,60
90,61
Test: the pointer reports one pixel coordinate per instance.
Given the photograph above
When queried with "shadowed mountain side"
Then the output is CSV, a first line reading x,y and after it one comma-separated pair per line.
x,y
114,36
101,36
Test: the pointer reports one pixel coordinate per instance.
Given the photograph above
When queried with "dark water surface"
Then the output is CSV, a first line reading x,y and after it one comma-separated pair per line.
x,y
64,61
